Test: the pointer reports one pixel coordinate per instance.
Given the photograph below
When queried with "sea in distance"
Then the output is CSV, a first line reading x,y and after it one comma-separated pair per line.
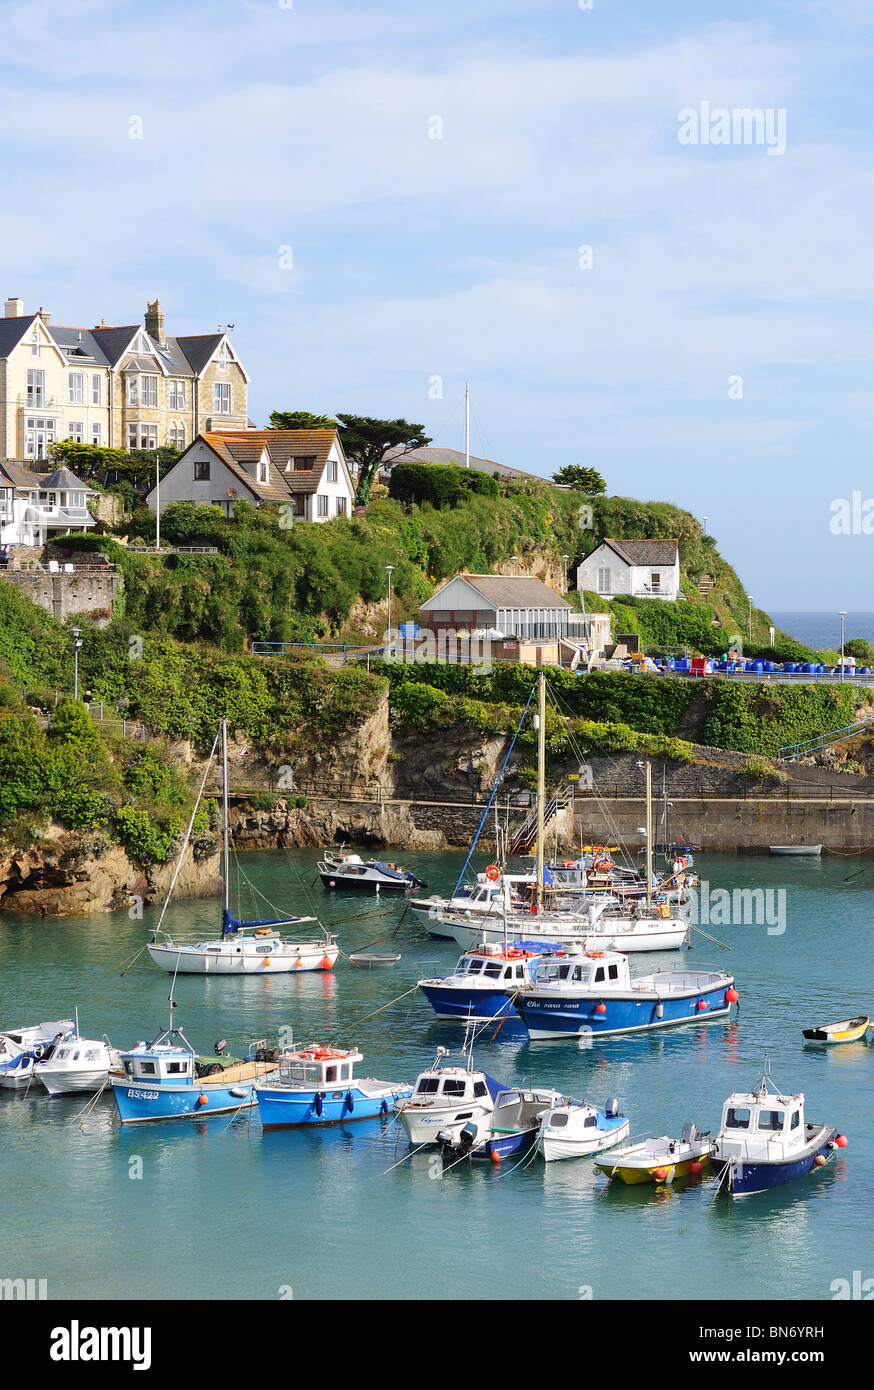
x,y
822,631
218,1209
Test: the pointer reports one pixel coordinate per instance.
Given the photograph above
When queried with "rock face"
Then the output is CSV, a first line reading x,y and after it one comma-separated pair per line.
x,y
82,874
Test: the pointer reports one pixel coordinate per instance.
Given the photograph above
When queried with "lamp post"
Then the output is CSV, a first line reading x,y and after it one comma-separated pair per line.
x,y
564,560
77,647
704,520
157,502
842,616
389,569
750,625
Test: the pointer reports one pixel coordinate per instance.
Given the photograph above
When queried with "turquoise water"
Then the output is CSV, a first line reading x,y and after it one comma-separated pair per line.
x,y
223,1211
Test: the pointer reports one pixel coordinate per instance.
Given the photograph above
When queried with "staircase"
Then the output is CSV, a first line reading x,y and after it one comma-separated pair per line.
x,y
525,838
794,751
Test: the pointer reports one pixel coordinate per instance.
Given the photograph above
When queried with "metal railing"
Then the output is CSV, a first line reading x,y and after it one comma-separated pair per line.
x,y
793,751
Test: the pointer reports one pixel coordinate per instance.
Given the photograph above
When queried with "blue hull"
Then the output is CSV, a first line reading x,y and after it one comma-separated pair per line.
x,y
285,1109
762,1177
556,1018
463,1004
139,1103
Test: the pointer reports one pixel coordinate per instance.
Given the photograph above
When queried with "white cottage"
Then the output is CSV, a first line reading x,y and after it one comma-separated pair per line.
x,y
36,507
304,469
512,605
637,569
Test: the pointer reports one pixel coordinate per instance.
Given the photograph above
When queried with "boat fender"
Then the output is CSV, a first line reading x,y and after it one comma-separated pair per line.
x,y
38,1052
659,1010
600,1008
239,1092
317,1103
695,1167
202,1100
349,1103
841,1141
702,1005
383,1109
732,996
820,1160
660,1174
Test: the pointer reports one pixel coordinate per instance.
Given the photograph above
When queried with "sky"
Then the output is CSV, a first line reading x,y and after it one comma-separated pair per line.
x,y
389,199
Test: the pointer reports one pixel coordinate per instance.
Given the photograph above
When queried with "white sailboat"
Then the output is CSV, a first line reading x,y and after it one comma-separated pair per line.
x,y
244,947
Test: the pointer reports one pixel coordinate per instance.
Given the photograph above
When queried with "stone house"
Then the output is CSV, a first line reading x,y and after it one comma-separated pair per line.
x,y
125,388
305,470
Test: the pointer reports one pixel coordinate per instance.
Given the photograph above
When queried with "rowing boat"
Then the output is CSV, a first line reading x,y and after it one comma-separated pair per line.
x,y
848,1030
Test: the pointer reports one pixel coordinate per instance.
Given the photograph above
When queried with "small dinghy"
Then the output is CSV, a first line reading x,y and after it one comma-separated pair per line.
x,y
764,1140
78,1064
806,851
576,1129
848,1030
374,960
660,1160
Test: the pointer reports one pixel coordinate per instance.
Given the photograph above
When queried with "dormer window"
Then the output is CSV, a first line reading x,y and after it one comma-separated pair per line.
x,y
263,471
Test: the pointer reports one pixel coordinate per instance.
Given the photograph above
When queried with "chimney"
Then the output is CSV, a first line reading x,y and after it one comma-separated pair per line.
x,y
14,307
101,324
45,315
154,322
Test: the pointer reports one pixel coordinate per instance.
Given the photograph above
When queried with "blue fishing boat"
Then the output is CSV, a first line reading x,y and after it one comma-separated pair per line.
x,y
484,982
593,993
317,1086
764,1141
166,1080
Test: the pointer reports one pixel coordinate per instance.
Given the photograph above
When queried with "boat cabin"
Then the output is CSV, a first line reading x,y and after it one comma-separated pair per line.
x,y
492,962
81,1051
600,970
761,1125
450,1085
159,1065
316,1068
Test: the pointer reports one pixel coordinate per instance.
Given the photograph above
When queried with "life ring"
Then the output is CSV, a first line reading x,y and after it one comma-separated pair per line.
x,y
493,873
264,931
603,865
595,955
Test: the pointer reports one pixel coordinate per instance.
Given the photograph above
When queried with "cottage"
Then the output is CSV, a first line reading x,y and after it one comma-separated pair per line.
x,y
305,470
36,507
639,569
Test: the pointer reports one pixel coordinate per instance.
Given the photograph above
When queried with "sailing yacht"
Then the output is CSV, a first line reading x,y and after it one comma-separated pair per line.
x,y
244,947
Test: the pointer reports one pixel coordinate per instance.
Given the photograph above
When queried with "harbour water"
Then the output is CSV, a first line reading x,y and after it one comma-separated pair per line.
x,y
219,1210
822,631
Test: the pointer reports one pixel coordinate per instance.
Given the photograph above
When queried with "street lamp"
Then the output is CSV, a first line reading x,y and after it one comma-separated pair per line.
x,y
750,597
565,559
389,569
704,525
842,616
157,502
77,647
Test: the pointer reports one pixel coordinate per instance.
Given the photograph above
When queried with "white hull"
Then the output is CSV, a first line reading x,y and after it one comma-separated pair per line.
x,y
590,1141
63,1082
200,960
422,1124
669,937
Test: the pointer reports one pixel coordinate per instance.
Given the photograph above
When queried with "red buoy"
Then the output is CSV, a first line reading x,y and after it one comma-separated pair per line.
x,y
496,1157
731,996
600,1008
695,1167
702,1004
841,1141
660,1174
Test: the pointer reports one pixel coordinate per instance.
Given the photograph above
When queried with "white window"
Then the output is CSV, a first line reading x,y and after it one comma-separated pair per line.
x,y
322,506
603,581
35,342
177,395
39,434
77,388
95,390
177,437
332,470
142,436
36,387
222,398
133,391
96,433
341,506
76,431
149,390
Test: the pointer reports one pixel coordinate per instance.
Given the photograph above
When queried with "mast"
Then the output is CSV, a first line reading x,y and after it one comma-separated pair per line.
x,y
467,424
226,876
648,838
541,779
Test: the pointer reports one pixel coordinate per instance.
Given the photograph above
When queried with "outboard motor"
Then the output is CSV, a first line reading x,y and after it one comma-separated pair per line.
x,y
690,1134
611,1109
468,1137
220,1046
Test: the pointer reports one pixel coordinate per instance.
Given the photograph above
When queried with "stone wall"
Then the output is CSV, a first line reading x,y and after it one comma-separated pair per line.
x,y
735,825
65,594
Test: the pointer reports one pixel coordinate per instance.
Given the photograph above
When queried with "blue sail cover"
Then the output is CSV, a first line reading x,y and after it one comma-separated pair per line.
x,y
231,925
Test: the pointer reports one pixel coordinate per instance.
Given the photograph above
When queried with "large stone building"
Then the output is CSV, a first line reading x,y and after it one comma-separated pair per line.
x,y
127,388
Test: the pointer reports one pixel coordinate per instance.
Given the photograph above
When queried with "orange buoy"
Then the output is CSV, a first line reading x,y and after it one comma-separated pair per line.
x,y
203,1100
660,1174
600,1008
819,1160
496,1157
841,1141
326,963
266,963
731,996
493,873
702,1004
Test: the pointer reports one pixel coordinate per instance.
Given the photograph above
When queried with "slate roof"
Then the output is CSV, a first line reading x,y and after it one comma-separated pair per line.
x,y
199,348
12,331
105,346
63,480
507,591
242,462
644,552
79,343
428,454
22,476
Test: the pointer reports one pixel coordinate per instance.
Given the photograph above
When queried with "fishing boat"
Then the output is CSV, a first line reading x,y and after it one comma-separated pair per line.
x,y
511,1130
366,875
576,1129
848,1030
78,1065
22,1048
660,1159
593,993
167,1080
244,947
603,924
316,1086
764,1141
482,985
446,1097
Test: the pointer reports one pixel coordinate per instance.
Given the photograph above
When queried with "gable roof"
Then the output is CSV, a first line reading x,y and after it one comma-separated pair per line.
x,y
12,331
199,348
507,591
243,461
282,445
643,552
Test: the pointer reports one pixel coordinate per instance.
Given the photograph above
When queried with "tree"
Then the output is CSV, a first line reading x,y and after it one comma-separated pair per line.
x,y
366,441
860,648
299,420
580,479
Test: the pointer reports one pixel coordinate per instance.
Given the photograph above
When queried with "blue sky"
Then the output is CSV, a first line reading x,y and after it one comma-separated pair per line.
x,y
266,126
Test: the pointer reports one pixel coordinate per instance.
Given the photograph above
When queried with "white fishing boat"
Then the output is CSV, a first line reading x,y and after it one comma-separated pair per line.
x,y
366,875
575,1129
604,925
445,1098
764,1140
244,947
20,1048
78,1064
